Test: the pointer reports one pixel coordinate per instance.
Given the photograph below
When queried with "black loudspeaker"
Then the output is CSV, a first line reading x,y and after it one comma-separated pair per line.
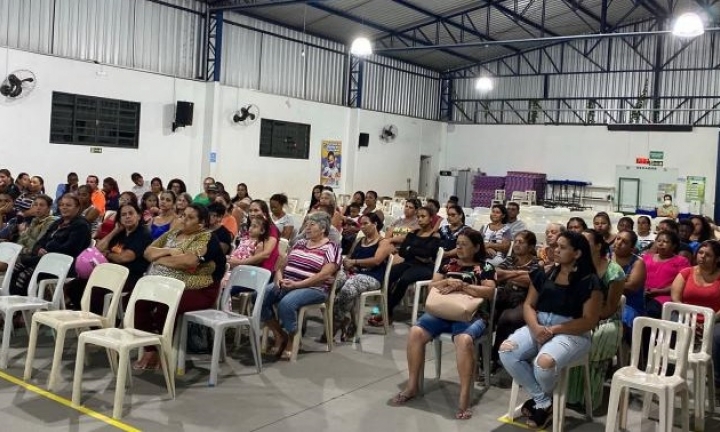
x,y
183,114
364,140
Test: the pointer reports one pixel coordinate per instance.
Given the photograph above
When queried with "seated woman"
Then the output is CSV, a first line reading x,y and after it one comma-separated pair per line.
x,y
357,198
267,256
434,206
327,198
371,205
607,333
576,224
68,235
28,233
396,231
282,220
124,245
112,194
561,308
190,254
513,277
306,278
181,203
315,197
601,224
644,234
216,212
227,219
178,187
476,278
547,252
161,223
662,266
700,286
35,187
363,270
634,288
450,232
418,251
110,221
258,233
625,223
667,209
701,232
497,235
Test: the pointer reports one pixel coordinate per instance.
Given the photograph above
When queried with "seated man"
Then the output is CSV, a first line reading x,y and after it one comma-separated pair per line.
x,y
516,225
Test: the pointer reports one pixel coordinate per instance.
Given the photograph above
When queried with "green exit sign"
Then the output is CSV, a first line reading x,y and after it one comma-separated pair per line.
x,y
95,149
658,155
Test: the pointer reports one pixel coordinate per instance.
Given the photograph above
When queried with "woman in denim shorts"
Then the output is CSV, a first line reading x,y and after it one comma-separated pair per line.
x,y
562,306
470,274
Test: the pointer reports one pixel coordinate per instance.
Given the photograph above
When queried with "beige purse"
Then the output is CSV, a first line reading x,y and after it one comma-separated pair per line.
x,y
455,306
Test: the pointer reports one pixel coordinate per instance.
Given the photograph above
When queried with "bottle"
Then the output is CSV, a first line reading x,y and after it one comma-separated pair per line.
x,y
376,310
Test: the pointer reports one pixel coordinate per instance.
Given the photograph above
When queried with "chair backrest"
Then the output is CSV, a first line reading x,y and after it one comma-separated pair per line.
x,y
660,350
55,264
111,277
159,289
9,253
688,315
252,277
283,246
438,260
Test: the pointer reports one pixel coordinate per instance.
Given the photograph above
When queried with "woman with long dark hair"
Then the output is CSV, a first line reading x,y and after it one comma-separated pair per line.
x,y
497,234
562,306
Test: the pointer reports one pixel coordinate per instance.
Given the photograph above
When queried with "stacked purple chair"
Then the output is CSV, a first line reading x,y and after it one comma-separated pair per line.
x,y
525,181
484,189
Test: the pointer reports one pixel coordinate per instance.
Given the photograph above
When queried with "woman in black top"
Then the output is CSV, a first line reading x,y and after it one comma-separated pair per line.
x,y
68,235
418,251
561,308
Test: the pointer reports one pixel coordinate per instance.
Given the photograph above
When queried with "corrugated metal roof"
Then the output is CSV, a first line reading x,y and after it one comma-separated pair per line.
x,y
429,22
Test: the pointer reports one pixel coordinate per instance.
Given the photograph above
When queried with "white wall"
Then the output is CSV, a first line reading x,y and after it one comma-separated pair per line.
x,y
25,124
580,153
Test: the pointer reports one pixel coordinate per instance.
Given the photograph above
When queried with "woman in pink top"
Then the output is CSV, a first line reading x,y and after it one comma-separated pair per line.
x,y
663,266
268,256
700,286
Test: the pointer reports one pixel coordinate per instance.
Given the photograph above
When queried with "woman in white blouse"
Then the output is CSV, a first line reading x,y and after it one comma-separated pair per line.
x,y
282,220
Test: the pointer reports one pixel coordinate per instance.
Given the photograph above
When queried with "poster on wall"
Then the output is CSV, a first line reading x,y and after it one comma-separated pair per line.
x,y
330,163
695,189
666,189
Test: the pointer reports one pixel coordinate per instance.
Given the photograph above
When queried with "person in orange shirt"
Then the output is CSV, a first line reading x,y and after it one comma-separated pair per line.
x,y
97,197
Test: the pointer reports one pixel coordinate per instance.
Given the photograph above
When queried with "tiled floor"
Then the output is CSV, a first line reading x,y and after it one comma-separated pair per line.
x,y
346,390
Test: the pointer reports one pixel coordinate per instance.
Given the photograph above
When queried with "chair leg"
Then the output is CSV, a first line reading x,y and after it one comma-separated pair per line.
x,y
182,347
298,335
32,345
5,348
558,401
665,413
686,415
385,314
215,360
711,387
513,404
625,401
255,346
120,383
699,396
359,318
487,354
437,344
79,366
588,393
329,335
57,357
165,363
613,407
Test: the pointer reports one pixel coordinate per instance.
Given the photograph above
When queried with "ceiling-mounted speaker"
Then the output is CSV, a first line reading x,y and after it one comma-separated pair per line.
x,y
364,139
183,114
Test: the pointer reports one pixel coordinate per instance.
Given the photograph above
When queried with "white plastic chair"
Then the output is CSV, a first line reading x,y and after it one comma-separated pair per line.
x,y
418,286
9,253
383,294
559,395
109,276
486,341
219,321
653,379
55,264
699,353
326,308
158,289
283,246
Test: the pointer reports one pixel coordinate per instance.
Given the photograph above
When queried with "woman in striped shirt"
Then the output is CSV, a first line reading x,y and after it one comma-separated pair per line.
x,y
306,278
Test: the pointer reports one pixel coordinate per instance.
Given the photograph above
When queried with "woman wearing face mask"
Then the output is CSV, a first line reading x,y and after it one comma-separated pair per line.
x,y
667,209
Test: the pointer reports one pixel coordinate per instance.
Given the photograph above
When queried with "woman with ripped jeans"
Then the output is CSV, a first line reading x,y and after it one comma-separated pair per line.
x,y
562,306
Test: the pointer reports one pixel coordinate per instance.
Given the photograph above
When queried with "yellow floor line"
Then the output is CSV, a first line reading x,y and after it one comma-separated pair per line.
x,y
62,401
507,420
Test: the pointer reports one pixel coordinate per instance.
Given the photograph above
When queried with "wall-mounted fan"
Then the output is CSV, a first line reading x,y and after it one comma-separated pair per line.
x,y
17,85
246,115
389,133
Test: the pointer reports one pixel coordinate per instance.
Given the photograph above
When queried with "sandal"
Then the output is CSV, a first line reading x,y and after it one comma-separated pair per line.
x,y
285,356
401,399
541,418
463,414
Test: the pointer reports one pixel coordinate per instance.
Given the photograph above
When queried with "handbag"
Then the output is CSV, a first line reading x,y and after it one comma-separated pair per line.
x,y
455,306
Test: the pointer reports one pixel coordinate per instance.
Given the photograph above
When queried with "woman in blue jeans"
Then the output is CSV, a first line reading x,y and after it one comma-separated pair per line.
x,y
306,278
562,306
469,274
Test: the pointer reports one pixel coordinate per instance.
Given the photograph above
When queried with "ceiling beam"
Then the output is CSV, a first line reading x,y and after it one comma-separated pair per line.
x,y
495,4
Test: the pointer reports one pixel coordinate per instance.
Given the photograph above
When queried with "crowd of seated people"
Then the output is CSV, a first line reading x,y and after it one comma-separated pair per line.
x,y
555,301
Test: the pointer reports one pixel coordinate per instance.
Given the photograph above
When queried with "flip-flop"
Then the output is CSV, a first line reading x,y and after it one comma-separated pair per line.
x,y
285,356
401,399
463,414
